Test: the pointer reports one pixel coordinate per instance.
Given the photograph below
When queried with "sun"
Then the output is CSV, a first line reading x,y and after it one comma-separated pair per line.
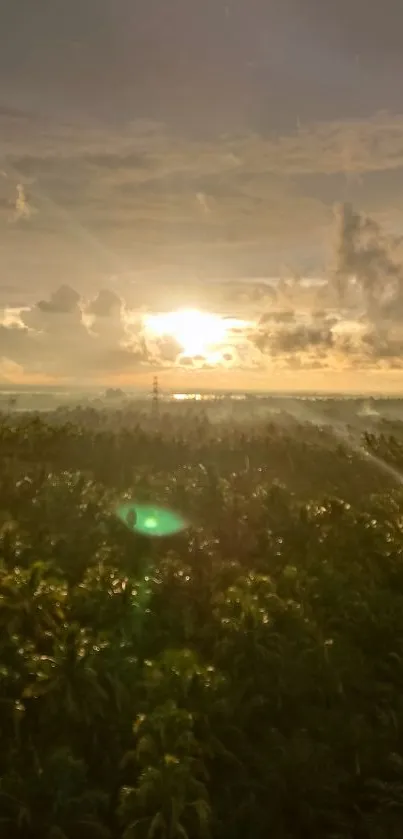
x,y
197,333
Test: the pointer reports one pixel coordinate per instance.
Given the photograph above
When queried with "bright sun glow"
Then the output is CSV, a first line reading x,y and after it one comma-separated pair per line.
x,y
197,333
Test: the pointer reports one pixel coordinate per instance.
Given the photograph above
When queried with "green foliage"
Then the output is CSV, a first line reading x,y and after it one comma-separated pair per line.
x,y
241,679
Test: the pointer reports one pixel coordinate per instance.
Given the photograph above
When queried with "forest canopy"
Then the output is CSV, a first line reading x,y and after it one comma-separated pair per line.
x,y
241,678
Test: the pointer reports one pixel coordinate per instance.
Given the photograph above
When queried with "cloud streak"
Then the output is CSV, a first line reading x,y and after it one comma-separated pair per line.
x,y
151,152
145,197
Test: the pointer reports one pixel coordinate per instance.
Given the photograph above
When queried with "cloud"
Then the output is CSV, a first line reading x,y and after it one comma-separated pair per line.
x,y
23,209
184,214
203,201
68,336
63,301
54,338
365,257
145,195
106,304
359,324
149,152
165,350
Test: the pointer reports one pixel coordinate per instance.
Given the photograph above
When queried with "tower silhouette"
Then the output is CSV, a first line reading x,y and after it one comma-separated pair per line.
x,y
156,396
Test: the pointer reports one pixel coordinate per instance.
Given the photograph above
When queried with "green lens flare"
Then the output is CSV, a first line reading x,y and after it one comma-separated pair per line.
x,y
149,520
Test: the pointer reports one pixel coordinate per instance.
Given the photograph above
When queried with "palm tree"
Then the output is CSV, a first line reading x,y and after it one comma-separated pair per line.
x,y
170,798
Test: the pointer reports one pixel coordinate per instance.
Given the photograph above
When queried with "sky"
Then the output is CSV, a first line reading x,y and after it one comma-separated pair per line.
x,y
164,155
